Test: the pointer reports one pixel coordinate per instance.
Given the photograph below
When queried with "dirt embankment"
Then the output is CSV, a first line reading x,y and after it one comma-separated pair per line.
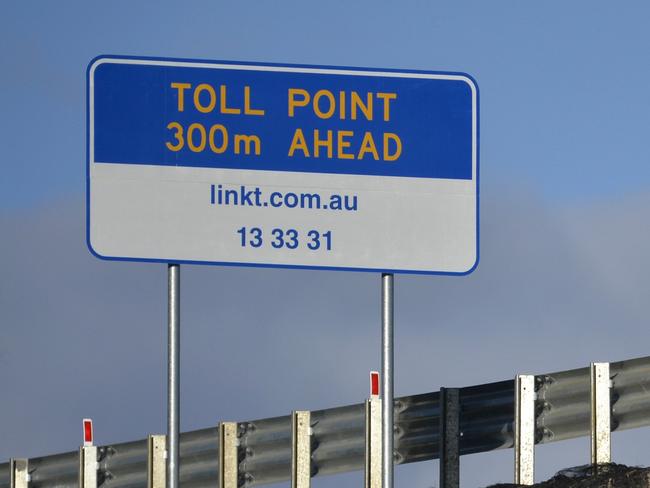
x,y
605,476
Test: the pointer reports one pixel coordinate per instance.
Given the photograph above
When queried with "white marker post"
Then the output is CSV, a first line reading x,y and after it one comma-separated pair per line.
x,y
373,450
156,461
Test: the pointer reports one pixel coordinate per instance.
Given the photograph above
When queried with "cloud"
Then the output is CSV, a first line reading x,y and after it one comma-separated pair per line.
x,y
556,288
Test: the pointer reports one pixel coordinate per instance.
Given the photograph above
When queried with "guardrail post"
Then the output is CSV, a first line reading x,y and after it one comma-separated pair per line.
x,y
600,414
525,429
88,467
156,461
19,473
373,465
301,449
228,462
449,438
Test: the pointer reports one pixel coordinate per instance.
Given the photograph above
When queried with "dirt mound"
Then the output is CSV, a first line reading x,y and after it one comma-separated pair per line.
x,y
605,476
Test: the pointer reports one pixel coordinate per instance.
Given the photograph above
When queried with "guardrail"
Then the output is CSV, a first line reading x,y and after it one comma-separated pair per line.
x,y
567,404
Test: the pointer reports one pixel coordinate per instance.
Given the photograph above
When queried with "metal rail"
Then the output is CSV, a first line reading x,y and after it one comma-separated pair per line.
x,y
562,406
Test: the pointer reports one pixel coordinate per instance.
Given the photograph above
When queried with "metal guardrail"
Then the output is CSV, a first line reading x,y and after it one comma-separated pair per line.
x,y
563,410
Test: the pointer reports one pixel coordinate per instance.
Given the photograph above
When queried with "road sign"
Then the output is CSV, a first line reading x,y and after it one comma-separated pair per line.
x,y
289,166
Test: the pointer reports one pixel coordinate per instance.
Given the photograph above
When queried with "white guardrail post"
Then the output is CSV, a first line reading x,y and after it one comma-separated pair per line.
x,y
373,463
228,462
19,473
449,438
525,429
600,414
301,449
88,467
156,461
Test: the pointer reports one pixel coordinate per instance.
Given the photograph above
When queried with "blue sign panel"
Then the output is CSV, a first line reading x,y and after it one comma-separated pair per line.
x,y
246,138
304,122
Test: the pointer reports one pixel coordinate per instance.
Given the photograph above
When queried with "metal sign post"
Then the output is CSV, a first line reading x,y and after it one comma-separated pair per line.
x,y
387,357
173,373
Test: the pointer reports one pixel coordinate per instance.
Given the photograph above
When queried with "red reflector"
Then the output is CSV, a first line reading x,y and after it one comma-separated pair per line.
x,y
374,383
88,432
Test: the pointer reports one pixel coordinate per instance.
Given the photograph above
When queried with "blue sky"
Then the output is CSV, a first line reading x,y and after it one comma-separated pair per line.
x,y
565,184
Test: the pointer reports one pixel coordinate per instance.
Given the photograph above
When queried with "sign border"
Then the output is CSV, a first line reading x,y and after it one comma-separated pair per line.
x,y
315,68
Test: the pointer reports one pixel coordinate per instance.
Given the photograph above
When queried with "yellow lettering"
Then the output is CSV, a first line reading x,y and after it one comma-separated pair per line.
x,y
223,102
190,140
224,135
398,147
368,146
298,143
297,103
327,94
342,105
247,103
247,141
356,102
387,97
181,87
178,135
318,143
343,144
197,98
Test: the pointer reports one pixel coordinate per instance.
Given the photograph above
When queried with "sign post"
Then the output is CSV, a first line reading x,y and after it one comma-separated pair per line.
x,y
387,372
173,372
210,162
